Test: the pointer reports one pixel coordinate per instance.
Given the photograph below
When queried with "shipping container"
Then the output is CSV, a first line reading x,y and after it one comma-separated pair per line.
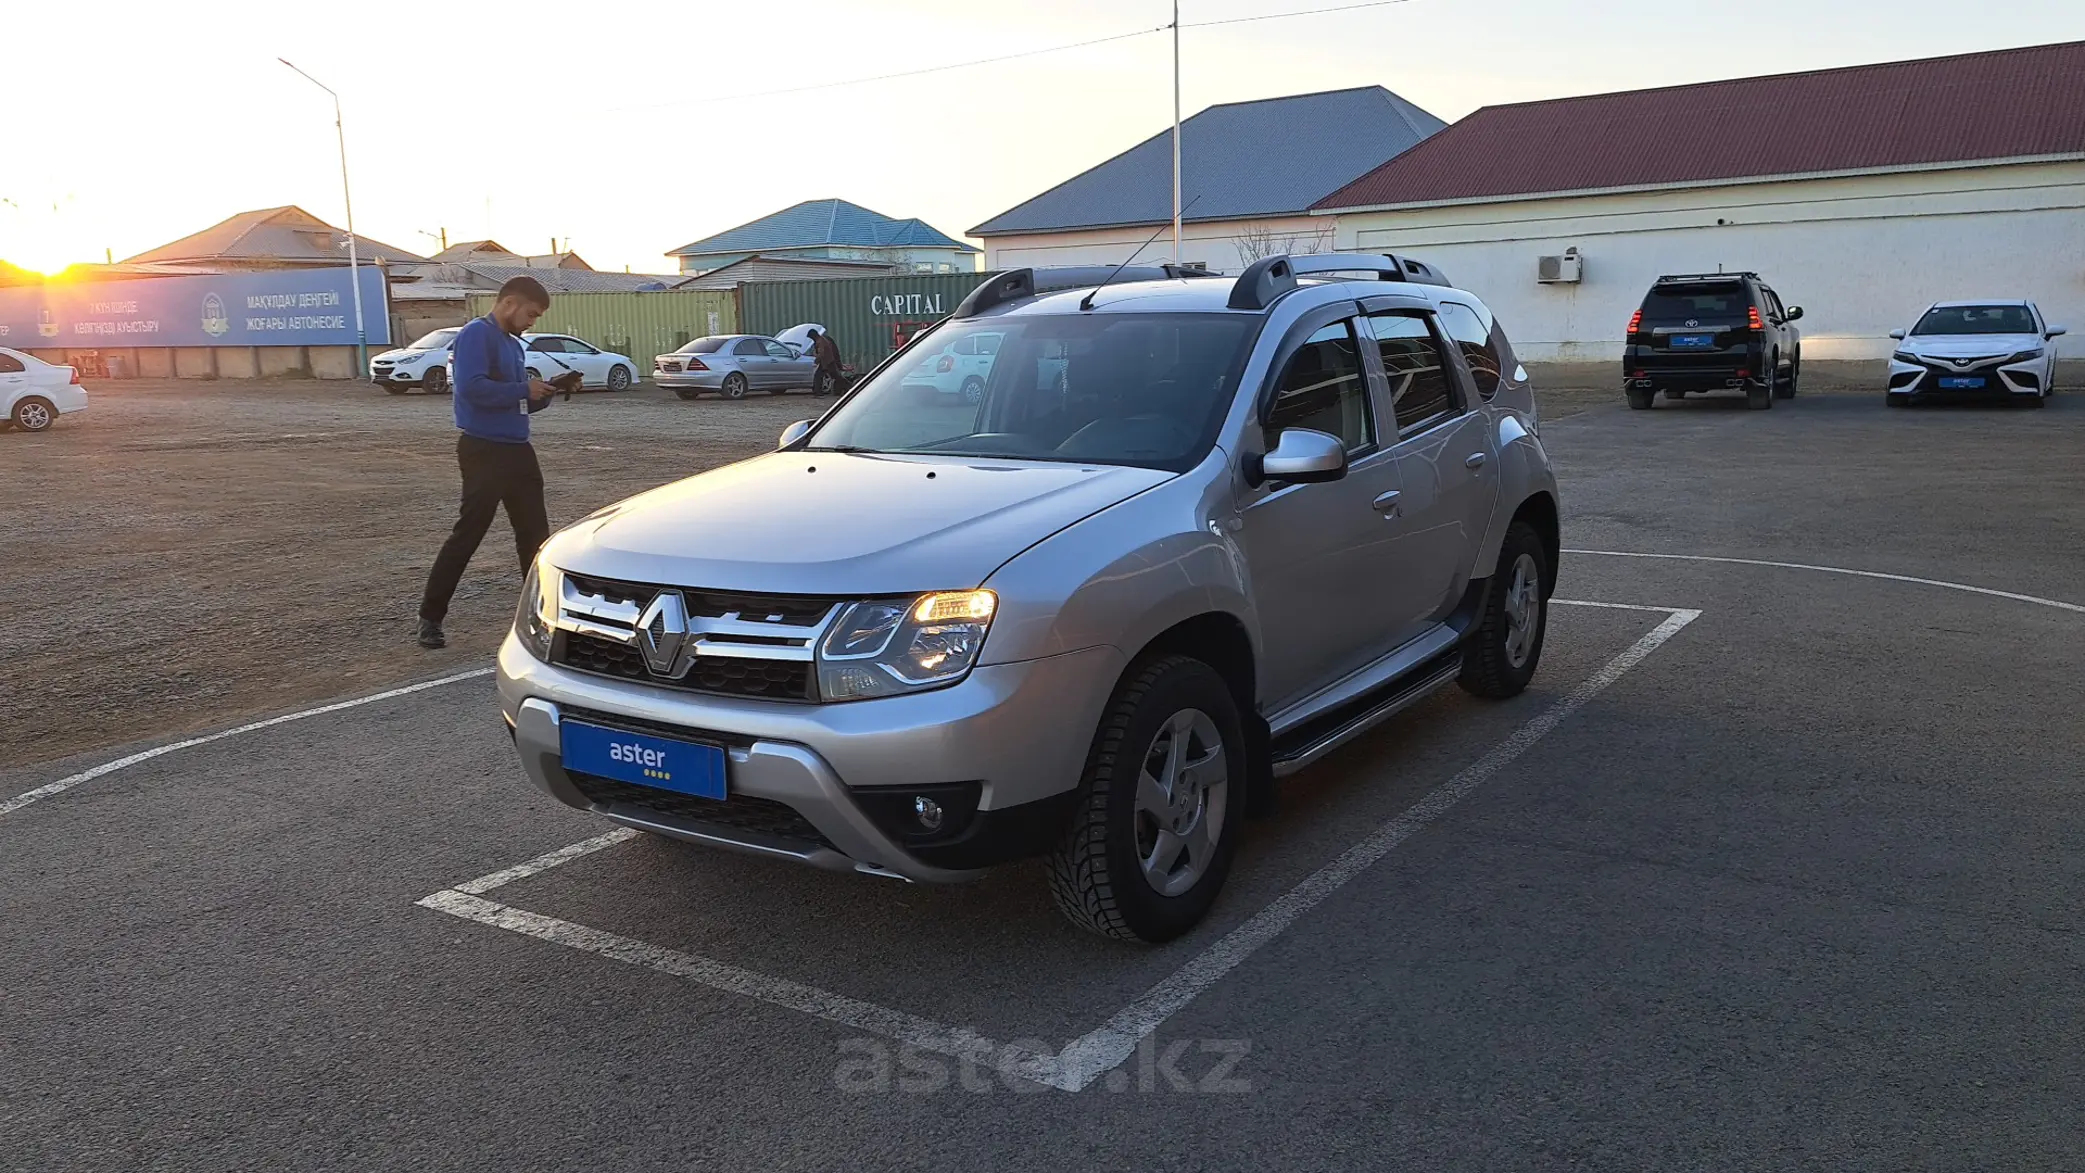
x,y
868,316
640,325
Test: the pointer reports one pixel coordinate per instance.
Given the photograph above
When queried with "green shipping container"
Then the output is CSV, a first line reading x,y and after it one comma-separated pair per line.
x,y
641,325
867,315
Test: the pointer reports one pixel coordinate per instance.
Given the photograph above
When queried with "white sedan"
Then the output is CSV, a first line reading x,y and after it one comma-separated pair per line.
x,y
551,355
34,393
1985,349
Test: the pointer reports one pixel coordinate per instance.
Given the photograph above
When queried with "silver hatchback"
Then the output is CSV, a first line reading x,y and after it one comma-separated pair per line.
x,y
1193,534
732,365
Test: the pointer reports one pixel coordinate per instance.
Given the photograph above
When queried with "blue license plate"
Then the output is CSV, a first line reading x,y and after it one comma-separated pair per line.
x,y
640,759
1693,341
1961,382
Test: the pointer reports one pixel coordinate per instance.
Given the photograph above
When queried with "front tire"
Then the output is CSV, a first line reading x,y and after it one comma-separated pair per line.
x,y
1501,655
619,378
734,386
391,388
34,414
1152,841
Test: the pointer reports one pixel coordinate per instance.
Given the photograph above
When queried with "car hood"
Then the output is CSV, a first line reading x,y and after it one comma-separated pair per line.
x,y
402,354
1969,345
831,523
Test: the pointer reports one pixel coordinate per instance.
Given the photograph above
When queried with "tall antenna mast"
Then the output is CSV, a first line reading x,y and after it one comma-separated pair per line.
x,y
1176,133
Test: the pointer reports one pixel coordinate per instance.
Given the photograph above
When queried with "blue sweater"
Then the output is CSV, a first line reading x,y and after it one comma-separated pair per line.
x,y
491,391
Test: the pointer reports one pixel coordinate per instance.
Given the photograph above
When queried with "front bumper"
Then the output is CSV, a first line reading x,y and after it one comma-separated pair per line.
x,y
1999,381
383,374
1019,731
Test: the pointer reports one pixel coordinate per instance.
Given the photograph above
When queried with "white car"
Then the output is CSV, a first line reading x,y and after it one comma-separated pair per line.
x,y
551,355
1985,349
959,368
423,364
34,393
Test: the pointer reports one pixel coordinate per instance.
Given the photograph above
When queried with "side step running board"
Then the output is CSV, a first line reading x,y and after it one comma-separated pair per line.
x,y
1416,687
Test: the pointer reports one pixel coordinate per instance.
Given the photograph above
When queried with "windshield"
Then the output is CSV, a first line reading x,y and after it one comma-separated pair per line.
x,y
1976,319
1139,389
703,346
1680,302
438,340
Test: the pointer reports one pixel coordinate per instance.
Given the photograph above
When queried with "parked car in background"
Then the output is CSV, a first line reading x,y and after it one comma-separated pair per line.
x,y
959,367
1197,534
1710,332
34,393
551,355
423,364
732,365
1981,349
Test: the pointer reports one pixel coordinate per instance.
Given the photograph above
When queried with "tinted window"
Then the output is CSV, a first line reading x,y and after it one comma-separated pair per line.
x,y
1773,303
9,364
547,346
1420,391
1704,301
703,346
1469,332
1322,388
1977,319
575,346
753,346
1107,388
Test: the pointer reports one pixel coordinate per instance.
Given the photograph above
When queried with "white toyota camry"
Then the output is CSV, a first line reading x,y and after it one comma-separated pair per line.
x,y
1983,349
34,393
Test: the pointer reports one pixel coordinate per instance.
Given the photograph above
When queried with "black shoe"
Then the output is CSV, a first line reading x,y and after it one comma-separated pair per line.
x,y
431,635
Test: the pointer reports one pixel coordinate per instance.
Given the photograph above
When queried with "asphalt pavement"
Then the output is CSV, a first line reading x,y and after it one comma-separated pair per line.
x,y
1783,870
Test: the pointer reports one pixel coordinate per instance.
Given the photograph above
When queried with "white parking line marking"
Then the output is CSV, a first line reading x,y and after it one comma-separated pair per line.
x,y
1615,606
1932,582
1095,1053
67,783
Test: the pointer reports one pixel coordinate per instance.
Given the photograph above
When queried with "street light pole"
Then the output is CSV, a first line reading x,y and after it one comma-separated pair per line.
x,y
354,260
1176,133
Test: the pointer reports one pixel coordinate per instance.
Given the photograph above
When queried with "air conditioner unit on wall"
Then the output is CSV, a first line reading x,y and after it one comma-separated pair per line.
x,y
1560,270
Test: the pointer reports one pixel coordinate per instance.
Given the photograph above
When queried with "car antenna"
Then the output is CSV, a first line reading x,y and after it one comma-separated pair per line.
x,y
1086,302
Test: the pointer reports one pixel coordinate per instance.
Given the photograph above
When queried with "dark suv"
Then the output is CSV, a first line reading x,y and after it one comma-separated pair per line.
x,y
1711,332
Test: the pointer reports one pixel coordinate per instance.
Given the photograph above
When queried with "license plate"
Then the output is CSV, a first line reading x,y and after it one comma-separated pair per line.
x,y
663,763
1693,341
1960,382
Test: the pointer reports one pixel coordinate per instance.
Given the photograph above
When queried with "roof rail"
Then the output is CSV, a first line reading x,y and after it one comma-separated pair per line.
x,y
1708,276
1015,284
1269,277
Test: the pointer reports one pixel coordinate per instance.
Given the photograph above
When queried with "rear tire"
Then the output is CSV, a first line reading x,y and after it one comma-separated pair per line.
x,y
734,386
1640,400
435,381
1153,837
1502,653
1758,399
34,414
1787,390
973,390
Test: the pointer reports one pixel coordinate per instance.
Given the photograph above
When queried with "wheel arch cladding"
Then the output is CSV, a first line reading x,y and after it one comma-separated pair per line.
x,y
1540,512
1220,640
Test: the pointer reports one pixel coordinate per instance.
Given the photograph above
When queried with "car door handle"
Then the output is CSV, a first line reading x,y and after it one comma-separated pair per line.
x,y
1387,504
1473,460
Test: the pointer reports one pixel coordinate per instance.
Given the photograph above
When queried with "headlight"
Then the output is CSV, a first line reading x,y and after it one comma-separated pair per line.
x,y
535,620
1905,356
2025,356
886,647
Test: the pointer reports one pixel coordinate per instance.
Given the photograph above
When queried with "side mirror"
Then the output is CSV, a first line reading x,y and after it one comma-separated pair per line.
x,y
2053,331
793,433
1304,457
1897,334
1794,312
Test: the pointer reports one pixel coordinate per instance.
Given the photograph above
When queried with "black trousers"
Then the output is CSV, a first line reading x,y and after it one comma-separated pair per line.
x,y
493,475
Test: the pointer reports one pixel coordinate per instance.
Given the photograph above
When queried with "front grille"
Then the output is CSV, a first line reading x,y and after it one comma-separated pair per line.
x,y
787,680
739,811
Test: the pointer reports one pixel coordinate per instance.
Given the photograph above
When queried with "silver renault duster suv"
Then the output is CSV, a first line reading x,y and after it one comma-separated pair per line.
x,y
1195,533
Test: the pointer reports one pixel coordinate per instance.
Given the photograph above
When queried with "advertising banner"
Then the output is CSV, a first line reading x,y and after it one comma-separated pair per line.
x,y
291,307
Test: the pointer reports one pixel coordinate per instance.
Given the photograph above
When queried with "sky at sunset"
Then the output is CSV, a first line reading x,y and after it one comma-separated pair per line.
x,y
629,127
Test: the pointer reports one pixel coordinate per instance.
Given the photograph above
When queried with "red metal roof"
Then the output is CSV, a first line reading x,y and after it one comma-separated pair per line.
x,y
2011,103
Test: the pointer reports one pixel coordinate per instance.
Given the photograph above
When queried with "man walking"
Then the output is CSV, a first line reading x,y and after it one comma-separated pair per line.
x,y
827,352
494,397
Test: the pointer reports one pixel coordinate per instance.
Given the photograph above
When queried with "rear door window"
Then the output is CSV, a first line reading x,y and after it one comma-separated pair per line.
x,y
1704,302
1468,330
750,346
1421,393
1323,389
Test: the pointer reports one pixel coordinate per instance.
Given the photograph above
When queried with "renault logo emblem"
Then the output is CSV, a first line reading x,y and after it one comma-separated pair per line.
x,y
662,632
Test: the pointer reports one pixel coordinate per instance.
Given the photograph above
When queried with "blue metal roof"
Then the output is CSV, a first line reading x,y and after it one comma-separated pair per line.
x,y
1272,157
814,223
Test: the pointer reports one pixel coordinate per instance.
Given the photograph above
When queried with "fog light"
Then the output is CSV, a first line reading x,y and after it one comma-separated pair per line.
x,y
928,812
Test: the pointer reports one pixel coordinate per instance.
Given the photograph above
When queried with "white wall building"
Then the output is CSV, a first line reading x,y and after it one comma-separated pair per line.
x,y
1861,194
